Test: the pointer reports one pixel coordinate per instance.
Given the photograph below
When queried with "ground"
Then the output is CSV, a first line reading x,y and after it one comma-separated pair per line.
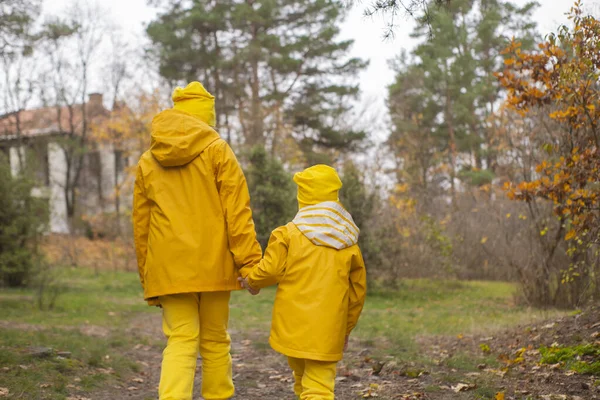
x,y
421,340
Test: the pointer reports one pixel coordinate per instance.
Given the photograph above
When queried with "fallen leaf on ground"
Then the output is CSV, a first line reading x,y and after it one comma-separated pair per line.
x,y
371,391
4,391
499,396
138,380
463,387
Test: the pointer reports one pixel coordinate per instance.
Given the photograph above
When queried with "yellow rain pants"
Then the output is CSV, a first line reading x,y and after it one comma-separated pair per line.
x,y
195,322
313,380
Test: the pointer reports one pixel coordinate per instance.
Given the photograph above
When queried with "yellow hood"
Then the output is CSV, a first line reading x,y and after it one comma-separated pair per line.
x,y
178,137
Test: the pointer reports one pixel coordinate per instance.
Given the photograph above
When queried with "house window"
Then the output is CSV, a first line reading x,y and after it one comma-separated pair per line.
x,y
37,162
5,154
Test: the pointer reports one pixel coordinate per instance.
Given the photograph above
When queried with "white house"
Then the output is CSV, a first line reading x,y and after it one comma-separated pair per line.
x,y
33,138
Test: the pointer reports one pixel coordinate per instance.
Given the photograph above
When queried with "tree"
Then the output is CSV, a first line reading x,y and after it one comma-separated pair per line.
x,y
23,219
561,79
360,203
272,193
17,41
16,19
392,8
443,98
276,67
126,131
71,47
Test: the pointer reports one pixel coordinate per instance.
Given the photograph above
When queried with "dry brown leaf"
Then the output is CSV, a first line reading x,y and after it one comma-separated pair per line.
x,y
4,392
463,387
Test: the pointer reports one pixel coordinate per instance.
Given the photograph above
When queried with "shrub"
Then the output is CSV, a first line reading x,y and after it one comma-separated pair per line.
x,y
272,193
23,219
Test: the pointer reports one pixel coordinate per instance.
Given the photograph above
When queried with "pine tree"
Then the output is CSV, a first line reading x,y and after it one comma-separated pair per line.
x,y
276,66
445,91
272,193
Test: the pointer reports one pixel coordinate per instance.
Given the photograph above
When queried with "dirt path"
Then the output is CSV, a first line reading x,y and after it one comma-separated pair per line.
x,y
260,373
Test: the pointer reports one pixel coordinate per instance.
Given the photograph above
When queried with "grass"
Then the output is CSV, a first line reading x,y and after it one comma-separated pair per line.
x,y
108,300
583,359
417,307
390,323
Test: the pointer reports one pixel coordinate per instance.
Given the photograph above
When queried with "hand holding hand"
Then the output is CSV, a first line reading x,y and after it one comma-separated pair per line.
x,y
246,285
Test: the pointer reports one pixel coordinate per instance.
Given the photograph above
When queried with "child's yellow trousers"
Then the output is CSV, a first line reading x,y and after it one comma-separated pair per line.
x,y
196,322
313,380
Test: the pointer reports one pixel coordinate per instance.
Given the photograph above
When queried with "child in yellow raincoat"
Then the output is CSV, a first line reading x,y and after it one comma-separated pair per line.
x,y
194,234
318,265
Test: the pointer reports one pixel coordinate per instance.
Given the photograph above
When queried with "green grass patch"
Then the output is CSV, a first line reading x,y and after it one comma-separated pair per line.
x,y
108,300
583,359
435,307
465,362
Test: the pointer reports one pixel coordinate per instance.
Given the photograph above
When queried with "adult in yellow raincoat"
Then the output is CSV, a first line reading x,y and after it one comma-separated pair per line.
x,y
318,265
194,233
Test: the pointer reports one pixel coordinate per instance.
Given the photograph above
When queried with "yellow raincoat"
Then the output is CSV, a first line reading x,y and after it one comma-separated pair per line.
x,y
320,271
193,226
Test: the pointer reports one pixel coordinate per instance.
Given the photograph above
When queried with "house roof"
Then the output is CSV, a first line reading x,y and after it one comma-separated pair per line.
x,y
50,120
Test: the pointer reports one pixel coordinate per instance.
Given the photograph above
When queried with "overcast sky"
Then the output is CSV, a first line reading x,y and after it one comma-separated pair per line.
x,y
133,15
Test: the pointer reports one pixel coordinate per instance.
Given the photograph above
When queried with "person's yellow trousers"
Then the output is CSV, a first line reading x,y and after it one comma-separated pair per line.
x,y
195,322
313,380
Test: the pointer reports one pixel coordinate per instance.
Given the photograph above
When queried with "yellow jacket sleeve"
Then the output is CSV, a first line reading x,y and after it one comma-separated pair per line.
x,y
141,222
235,201
272,267
358,291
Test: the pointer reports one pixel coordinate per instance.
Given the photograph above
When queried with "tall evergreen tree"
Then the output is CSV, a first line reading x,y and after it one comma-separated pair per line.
x,y
450,106
272,192
277,66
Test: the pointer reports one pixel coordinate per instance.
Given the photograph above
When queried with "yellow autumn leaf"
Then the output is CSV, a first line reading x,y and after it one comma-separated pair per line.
x,y
484,239
508,215
570,235
499,396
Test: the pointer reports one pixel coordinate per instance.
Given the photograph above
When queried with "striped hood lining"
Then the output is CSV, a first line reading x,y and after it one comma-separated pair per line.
x,y
327,224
